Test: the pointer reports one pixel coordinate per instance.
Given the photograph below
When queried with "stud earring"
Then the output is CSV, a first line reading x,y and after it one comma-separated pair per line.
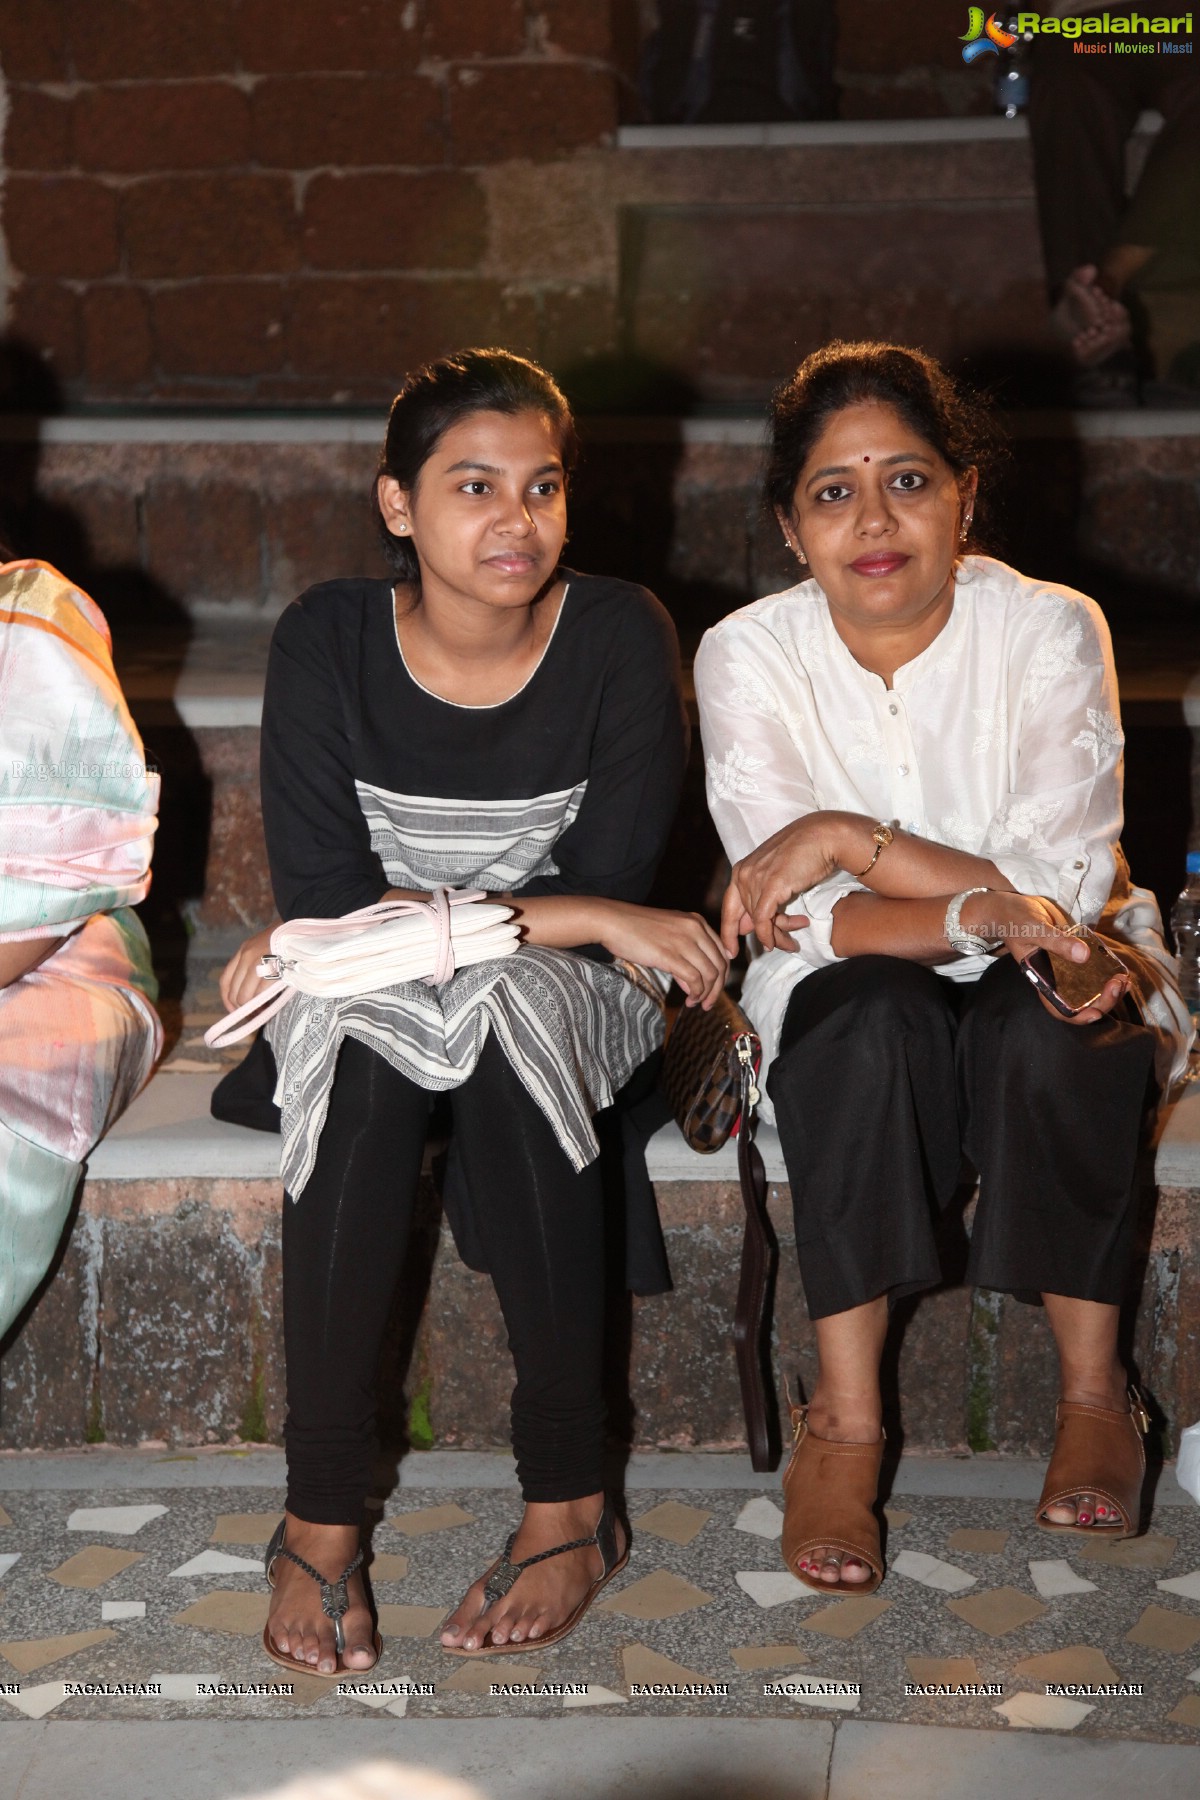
x,y
800,557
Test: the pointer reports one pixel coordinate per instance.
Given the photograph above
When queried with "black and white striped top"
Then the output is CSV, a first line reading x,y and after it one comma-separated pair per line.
x,y
369,781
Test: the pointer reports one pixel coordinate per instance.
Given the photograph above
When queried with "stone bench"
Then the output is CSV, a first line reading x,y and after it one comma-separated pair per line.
x,y
162,1321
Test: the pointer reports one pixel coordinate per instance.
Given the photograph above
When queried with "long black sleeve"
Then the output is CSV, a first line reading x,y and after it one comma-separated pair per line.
x,y
318,844
636,768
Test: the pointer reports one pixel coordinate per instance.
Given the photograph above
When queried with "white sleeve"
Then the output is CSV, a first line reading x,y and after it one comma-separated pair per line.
x,y
756,777
1056,831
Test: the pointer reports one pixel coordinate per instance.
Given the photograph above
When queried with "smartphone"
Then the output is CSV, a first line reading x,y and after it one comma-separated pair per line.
x,y
1071,987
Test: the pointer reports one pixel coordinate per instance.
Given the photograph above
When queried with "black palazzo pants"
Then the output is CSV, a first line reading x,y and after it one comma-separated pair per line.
x,y
888,1073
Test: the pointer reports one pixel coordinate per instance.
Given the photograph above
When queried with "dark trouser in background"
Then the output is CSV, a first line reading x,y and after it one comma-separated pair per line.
x,y
887,1073
542,1227
1082,110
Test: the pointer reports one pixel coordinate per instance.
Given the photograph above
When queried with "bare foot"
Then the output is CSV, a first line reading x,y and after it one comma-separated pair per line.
x,y
854,1424
1095,324
297,1625
1086,1509
541,1598
824,1564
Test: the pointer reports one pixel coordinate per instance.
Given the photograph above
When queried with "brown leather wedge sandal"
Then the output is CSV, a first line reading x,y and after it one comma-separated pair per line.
x,y
829,1494
1098,1450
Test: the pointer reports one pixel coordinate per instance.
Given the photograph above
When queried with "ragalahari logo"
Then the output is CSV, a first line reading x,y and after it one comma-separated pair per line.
x,y
984,37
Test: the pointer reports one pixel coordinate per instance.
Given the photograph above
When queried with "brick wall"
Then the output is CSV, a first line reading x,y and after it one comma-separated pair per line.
x,y
905,62
279,199
294,200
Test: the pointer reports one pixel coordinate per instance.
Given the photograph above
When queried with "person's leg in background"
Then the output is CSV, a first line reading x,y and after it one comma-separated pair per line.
x,y
1123,270
1082,111
1154,263
344,1240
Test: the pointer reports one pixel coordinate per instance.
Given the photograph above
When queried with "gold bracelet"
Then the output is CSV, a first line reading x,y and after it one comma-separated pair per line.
x,y
883,836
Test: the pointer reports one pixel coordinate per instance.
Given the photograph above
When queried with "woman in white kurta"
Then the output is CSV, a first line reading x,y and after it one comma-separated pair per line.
x,y
914,762
78,1033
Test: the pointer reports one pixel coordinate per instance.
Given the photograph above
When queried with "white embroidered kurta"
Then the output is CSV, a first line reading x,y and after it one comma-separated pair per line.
x,y
1003,738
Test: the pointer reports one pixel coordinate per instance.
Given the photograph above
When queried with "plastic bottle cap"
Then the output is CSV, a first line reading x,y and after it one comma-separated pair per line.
x,y
1193,862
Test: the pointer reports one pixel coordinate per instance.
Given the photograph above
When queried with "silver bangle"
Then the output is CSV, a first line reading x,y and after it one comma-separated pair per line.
x,y
966,943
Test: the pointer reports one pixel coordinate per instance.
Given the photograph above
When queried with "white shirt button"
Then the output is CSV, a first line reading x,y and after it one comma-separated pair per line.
x,y
1080,864
902,768
893,708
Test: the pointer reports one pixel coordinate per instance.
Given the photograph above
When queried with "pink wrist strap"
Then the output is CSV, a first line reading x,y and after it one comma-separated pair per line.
x,y
443,968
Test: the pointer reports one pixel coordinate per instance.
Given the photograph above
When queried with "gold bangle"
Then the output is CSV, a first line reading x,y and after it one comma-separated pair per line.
x,y
883,835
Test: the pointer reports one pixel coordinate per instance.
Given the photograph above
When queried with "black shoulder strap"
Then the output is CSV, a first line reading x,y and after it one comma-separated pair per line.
x,y
756,1285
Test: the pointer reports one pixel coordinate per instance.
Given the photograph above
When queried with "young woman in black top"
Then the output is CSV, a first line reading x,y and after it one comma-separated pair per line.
x,y
489,720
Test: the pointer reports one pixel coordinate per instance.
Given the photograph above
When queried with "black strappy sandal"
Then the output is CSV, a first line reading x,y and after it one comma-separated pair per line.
x,y
504,1575
335,1602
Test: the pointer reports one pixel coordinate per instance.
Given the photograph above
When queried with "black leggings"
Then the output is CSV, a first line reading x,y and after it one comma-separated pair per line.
x,y
541,1227
1082,112
887,1073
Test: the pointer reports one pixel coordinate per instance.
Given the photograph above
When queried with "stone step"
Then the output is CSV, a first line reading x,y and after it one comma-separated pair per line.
x,y
173,521
162,1320
169,1132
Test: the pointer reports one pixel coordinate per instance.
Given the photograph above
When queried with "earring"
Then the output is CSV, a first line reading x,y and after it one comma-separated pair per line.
x,y
800,557
402,526
966,526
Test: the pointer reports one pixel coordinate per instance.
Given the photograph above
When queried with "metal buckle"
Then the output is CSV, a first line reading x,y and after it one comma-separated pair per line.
x,y
745,1055
335,1600
500,1581
270,967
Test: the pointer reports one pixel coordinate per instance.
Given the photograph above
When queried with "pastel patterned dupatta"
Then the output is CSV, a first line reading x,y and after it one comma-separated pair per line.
x,y
78,1033
77,807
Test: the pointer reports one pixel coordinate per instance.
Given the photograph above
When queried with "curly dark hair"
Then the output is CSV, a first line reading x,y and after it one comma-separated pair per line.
x,y
957,423
439,394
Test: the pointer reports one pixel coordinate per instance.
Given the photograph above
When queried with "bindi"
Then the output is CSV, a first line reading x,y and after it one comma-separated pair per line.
x,y
866,459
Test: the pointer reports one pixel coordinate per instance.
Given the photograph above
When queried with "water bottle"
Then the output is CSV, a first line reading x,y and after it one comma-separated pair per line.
x,y
1010,84
1011,87
1185,928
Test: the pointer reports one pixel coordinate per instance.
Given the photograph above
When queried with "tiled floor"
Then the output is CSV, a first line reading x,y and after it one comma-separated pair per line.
x,y
122,1581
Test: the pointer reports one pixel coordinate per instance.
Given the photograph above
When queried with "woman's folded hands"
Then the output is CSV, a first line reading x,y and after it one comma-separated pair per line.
x,y
764,884
681,944
903,911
